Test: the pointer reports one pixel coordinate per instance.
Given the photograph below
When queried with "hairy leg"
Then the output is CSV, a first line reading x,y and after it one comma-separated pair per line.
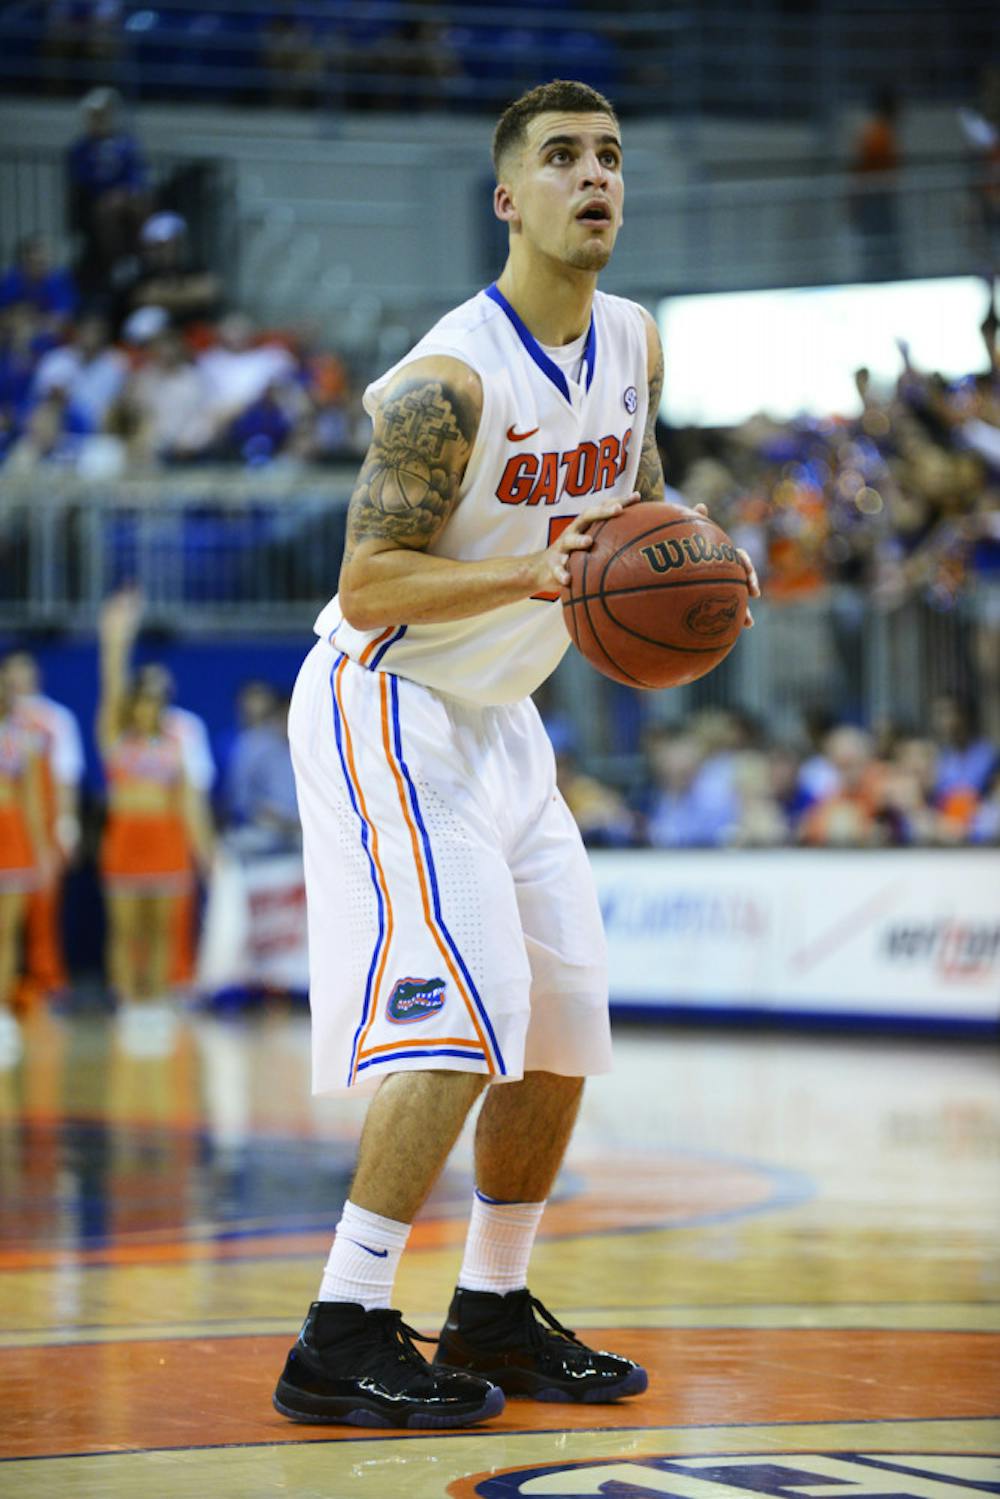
x,y
522,1134
412,1123
122,944
12,907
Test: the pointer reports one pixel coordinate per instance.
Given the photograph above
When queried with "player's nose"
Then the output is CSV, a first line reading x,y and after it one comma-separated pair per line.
x,y
593,172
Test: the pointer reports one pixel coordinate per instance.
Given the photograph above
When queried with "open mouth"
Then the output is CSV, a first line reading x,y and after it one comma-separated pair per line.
x,y
594,213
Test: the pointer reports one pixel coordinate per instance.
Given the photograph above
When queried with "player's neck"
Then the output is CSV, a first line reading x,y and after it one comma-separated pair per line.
x,y
552,300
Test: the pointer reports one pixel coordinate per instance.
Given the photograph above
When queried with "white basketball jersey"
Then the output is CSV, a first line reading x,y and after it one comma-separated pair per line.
x,y
548,447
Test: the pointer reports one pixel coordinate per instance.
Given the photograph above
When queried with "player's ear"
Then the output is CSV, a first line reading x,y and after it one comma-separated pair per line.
x,y
503,205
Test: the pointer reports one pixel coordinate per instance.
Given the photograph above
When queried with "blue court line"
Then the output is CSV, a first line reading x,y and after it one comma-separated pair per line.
x,y
483,1432
846,1021
791,1189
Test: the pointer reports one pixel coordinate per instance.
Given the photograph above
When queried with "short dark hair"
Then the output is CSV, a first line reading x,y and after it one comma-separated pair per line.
x,y
561,94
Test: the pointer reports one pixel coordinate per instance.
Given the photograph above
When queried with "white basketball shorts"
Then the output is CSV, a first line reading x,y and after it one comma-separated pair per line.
x,y
453,920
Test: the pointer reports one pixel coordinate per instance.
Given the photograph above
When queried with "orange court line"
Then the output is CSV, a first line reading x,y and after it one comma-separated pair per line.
x,y
210,1392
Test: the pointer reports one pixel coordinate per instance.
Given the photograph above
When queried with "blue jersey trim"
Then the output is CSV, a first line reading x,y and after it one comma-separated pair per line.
x,y
435,897
431,1051
371,869
545,364
373,663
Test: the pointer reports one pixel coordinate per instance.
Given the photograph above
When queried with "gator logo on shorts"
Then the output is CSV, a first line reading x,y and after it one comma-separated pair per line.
x,y
415,999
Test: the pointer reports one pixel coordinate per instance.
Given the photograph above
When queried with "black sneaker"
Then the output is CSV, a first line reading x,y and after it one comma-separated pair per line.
x,y
502,1339
361,1368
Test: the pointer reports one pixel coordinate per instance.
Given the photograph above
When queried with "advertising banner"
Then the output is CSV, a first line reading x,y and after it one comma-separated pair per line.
x,y
897,933
907,933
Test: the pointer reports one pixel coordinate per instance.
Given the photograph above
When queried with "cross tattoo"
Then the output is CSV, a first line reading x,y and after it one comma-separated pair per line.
x,y
421,420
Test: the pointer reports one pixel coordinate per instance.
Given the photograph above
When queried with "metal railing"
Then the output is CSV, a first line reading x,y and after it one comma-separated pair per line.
x,y
218,553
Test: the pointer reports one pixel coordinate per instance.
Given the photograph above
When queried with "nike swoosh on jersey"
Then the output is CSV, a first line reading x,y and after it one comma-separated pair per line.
x,y
380,1254
514,436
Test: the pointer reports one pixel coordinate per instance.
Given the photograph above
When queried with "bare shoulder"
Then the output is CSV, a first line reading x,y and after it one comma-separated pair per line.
x,y
432,383
654,346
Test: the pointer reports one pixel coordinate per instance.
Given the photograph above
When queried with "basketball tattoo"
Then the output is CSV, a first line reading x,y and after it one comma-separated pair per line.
x,y
649,479
409,484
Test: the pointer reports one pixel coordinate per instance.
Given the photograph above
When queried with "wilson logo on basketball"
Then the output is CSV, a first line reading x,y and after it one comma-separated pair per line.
x,y
712,616
545,478
664,555
413,999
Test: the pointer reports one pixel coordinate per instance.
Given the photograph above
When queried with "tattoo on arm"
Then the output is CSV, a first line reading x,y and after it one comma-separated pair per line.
x,y
649,479
409,482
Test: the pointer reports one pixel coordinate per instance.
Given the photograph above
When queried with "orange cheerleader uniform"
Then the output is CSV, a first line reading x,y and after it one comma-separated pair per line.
x,y
146,848
17,856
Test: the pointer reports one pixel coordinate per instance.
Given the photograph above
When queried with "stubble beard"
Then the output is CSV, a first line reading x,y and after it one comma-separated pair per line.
x,y
590,257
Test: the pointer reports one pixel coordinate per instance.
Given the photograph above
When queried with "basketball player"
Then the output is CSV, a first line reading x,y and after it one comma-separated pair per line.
x,y
455,938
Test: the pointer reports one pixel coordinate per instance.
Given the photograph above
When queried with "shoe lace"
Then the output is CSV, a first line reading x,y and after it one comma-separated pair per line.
x,y
401,1336
539,1335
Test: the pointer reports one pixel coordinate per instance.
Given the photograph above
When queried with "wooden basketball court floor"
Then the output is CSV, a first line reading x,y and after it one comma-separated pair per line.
x,y
800,1237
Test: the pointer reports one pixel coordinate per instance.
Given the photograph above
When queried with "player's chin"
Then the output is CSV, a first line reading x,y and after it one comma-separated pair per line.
x,y
592,255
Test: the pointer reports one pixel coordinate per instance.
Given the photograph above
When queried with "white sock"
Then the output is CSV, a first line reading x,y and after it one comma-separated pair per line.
x,y
498,1244
363,1260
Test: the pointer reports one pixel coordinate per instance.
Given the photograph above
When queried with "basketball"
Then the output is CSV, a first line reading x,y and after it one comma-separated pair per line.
x,y
659,599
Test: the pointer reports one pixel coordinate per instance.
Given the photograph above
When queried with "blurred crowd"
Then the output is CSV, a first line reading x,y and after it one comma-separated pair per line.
x,y
133,358
717,781
900,500
360,54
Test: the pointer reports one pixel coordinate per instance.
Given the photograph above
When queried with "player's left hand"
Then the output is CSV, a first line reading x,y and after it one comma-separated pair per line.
x,y
753,583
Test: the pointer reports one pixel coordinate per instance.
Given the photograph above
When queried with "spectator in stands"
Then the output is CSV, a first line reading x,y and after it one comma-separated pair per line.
x,y
985,826
260,785
292,53
21,346
601,813
237,370
169,398
265,428
849,815
33,279
88,372
53,434
56,735
907,810
80,32
677,813
875,160
108,196
965,760
156,834
24,856
164,275
762,818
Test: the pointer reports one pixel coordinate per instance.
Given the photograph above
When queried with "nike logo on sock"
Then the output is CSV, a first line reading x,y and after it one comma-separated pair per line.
x,y
380,1254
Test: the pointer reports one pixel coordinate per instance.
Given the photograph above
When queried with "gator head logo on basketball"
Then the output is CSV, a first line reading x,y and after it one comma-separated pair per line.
x,y
712,616
415,999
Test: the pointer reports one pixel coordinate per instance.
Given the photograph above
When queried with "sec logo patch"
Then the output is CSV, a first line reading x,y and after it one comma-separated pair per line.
x,y
782,1476
630,399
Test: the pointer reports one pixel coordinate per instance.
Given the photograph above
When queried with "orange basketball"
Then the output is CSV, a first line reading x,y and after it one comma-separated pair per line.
x,y
659,599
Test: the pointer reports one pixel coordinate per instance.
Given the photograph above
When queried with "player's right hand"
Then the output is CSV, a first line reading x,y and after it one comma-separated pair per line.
x,y
575,538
